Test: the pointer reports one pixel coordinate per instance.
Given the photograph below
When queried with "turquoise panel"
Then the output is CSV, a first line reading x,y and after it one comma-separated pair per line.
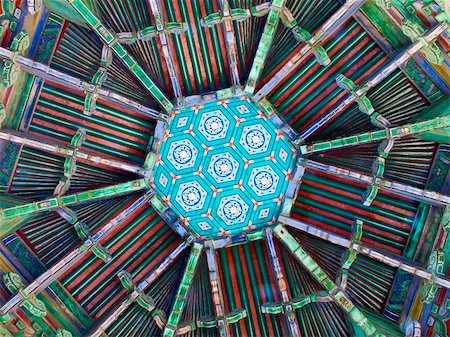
x,y
224,167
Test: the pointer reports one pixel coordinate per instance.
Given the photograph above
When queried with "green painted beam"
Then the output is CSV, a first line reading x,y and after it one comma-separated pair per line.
x,y
45,72
358,94
376,254
61,267
338,295
270,28
378,168
222,320
185,283
52,147
63,9
111,40
70,163
364,104
287,309
414,193
347,9
69,200
369,137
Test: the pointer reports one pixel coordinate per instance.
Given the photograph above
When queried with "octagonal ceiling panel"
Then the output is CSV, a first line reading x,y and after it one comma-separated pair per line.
x,y
229,167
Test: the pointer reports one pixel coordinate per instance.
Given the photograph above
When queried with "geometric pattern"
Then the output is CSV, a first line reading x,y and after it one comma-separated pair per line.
x,y
223,167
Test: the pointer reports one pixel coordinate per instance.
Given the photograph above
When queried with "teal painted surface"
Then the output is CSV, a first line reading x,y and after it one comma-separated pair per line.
x,y
224,167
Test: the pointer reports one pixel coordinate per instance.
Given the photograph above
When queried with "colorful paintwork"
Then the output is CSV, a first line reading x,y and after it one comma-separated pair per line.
x,y
224,167
219,190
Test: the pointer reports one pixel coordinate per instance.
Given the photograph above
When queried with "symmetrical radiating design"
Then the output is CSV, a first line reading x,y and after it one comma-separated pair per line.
x,y
223,167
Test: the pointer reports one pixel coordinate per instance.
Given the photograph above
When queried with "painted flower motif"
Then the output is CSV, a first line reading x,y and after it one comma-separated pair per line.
x,y
182,154
255,139
190,196
214,125
263,180
232,209
223,167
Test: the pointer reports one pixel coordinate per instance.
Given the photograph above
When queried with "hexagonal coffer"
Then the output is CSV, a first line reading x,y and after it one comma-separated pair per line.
x,y
223,167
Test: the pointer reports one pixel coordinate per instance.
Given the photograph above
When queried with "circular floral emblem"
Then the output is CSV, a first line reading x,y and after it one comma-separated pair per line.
x,y
263,180
223,167
190,196
255,139
232,209
182,154
214,125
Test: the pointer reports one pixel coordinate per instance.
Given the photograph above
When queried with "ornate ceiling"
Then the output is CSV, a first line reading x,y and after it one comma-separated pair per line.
x,y
224,168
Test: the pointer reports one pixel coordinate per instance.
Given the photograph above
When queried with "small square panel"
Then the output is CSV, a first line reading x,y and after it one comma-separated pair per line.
x,y
182,122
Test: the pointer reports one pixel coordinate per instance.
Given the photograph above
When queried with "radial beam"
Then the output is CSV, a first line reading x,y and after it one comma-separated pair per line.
x,y
281,285
347,10
167,52
45,72
369,137
384,71
430,197
185,284
222,320
226,16
109,318
216,289
230,40
337,294
111,40
378,255
70,200
273,18
30,141
61,267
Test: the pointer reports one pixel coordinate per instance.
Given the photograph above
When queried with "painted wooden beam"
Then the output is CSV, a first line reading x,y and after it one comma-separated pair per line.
x,y
378,167
98,80
45,72
226,16
414,193
374,253
384,71
281,285
109,318
222,320
273,18
337,294
155,6
216,289
185,284
36,143
369,137
272,113
374,24
230,39
61,267
70,163
170,217
364,104
347,10
70,200
350,254
111,40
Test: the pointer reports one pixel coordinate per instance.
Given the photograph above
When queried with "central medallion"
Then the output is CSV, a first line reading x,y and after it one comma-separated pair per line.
x,y
223,167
